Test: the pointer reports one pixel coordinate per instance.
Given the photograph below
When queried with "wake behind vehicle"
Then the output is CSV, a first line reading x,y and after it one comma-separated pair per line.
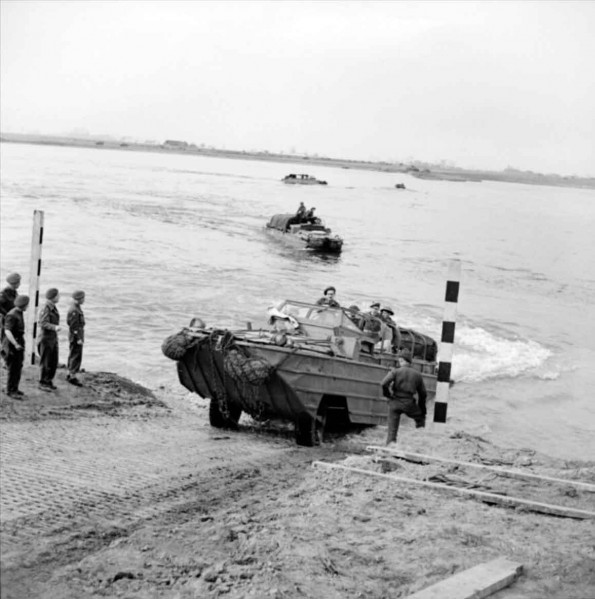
x,y
313,366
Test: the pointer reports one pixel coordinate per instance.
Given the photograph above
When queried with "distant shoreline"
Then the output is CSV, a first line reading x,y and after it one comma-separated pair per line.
x,y
431,172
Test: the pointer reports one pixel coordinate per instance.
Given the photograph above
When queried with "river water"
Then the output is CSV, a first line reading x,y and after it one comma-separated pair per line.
x,y
155,239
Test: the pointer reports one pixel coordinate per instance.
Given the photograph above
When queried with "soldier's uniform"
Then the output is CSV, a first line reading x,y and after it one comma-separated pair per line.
x,y
14,356
76,337
49,321
329,300
386,313
400,386
7,297
371,319
301,212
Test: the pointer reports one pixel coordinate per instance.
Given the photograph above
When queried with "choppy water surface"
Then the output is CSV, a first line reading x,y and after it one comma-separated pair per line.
x,y
155,239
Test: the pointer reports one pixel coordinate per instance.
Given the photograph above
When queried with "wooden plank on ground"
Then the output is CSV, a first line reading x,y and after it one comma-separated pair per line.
x,y
417,457
475,583
492,498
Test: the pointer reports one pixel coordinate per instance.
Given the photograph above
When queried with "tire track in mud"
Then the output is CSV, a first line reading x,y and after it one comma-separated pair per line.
x,y
65,474
229,471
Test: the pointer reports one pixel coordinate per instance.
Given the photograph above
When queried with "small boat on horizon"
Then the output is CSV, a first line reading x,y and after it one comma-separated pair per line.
x,y
302,179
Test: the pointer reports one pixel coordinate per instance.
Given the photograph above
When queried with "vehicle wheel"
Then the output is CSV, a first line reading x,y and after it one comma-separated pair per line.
x,y
321,420
218,420
309,431
305,430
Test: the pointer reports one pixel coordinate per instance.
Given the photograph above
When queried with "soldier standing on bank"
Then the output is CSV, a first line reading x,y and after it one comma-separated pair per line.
x,y
13,346
76,337
400,386
49,325
7,297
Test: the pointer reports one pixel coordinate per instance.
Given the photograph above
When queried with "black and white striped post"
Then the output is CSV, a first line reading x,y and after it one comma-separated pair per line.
x,y
34,274
447,340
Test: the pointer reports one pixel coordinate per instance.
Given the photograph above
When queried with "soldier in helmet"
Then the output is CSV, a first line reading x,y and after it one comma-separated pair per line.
x,y
13,346
7,297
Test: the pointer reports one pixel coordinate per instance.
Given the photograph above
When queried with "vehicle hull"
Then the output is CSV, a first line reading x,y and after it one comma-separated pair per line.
x,y
329,243
306,182
300,382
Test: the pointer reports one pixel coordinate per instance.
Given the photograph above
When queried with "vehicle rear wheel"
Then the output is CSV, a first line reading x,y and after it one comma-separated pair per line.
x,y
305,430
219,420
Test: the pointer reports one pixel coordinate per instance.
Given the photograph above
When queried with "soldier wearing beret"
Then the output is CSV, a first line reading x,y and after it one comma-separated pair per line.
x,y
7,297
76,337
329,298
13,346
400,386
49,325
371,322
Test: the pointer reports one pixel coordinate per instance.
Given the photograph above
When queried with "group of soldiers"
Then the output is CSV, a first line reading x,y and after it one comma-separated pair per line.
x,y
370,321
403,383
303,215
12,308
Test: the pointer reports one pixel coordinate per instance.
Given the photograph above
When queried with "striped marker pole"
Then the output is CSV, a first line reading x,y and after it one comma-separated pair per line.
x,y
34,273
447,341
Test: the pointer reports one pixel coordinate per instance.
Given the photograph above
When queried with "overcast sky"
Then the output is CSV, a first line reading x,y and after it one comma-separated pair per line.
x,y
480,84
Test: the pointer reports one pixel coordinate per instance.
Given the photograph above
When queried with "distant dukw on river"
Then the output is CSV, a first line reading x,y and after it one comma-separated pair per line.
x,y
155,239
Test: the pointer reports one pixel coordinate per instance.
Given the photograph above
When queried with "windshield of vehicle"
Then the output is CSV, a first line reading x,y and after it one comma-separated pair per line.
x,y
321,315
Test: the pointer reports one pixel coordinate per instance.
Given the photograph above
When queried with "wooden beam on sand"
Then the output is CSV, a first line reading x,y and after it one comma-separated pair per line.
x,y
420,457
475,583
491,498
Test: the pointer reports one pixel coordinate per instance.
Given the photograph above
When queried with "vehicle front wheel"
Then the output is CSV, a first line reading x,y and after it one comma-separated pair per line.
x,y
220,420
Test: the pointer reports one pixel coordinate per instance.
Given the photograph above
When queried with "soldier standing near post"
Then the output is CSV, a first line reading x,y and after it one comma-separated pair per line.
x,y
400,386
7,297
76,337
13,346
49,325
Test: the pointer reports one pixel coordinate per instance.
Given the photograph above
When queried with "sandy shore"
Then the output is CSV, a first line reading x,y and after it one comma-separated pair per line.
x,y
114,490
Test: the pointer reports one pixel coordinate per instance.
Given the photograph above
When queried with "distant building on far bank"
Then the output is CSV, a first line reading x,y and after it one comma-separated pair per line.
x,y
178,145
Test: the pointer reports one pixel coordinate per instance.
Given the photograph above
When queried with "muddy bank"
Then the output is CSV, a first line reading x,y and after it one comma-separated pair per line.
x,y
272,525
102,393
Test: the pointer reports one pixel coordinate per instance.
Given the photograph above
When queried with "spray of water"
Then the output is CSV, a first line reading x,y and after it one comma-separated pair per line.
x,y
481,355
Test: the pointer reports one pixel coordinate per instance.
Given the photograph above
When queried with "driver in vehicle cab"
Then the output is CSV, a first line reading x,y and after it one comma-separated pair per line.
x,y
329,298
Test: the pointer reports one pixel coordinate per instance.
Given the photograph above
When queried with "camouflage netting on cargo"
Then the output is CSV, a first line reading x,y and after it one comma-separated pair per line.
x,y
421,346
175,346
247,370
